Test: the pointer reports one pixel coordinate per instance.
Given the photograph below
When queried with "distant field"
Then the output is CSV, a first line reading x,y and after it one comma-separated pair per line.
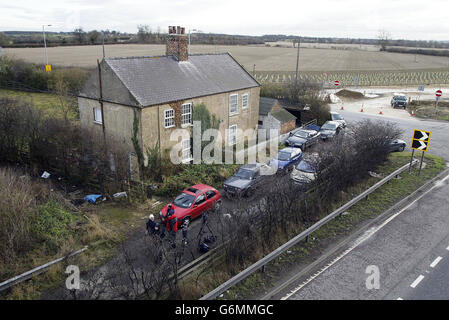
x,y
265,58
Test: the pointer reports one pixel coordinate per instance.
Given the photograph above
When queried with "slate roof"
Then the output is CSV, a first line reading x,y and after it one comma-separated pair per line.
x,y
157,80
265,105
283,115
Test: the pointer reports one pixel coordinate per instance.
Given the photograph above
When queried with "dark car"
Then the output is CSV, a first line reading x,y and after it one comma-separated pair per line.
x,y
330,129
192,202
302,138
399,101
335,116
286,159
396,145
245,181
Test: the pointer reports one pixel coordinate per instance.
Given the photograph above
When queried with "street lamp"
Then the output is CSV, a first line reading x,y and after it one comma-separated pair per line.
x,y
193,30
45,43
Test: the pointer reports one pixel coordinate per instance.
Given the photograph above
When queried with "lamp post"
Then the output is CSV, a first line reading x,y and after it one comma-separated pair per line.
x,y
45,43
192,31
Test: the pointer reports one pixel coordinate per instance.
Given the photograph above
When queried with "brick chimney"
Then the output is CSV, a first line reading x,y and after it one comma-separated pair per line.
x,y
177,43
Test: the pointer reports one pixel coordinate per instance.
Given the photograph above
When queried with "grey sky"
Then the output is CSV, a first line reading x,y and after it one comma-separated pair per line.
x,y
403,19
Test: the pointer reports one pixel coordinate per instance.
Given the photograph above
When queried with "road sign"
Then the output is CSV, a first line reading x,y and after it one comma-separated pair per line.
x,y
420,140
438,93
336,83
48,67
421,88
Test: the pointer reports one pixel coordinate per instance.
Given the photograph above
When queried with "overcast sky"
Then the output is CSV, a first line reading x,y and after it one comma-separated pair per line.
x,y
403,19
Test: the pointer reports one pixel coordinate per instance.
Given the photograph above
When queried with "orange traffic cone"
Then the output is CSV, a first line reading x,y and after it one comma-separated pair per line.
x,y
361,110
342,108
380,111
413,113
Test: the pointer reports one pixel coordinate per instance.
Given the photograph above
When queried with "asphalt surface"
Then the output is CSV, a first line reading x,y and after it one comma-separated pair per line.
x,y
410,249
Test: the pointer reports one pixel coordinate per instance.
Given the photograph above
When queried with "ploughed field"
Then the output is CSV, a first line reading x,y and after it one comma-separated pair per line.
x,y
356,65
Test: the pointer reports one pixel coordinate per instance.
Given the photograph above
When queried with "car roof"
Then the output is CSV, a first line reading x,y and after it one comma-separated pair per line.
x,y
251,166
199,187
332,122
398,95
334,112
289,149
306,130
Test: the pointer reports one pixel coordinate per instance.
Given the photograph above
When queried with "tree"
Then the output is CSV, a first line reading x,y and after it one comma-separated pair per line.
x,y
383,38
4,39
79,34
93,36
143,33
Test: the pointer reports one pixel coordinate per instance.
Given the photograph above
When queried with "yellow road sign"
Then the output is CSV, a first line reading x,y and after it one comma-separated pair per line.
x,y
48,67
420,140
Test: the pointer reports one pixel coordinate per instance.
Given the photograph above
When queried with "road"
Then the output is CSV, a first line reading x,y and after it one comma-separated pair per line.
x,y
410,249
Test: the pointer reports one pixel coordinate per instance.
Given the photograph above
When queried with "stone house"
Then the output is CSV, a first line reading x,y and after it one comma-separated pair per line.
x,y
161,92
272,115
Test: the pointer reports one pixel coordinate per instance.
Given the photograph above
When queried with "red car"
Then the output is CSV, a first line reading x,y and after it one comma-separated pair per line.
x,y
193,201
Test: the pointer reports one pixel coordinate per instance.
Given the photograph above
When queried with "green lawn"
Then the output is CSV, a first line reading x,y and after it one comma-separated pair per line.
x,y
47,102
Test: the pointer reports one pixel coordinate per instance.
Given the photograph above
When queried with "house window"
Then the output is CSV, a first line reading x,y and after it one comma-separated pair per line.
x,y
97,116
169,119
245,101
186,115
233,103
232,135
186,152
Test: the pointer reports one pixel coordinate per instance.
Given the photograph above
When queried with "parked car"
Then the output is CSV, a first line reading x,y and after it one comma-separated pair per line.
x,y
286,159
245,181
330,129
192,202
399,100
335,116
302,138
396,145
304,172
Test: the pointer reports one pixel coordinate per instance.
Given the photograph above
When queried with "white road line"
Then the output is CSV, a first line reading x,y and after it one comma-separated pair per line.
x,y
435,262
417,281
399,298
362,239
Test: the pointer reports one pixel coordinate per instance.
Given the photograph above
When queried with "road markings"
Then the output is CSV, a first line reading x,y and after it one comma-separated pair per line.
x,y
417,281
435,262
399,298
362,239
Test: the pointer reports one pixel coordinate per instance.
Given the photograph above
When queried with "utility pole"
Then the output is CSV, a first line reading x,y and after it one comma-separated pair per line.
x,y
104,55
297,62
45,43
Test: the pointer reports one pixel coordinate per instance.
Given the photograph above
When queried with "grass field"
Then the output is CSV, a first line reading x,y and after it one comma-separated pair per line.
x,y
264,57
48,103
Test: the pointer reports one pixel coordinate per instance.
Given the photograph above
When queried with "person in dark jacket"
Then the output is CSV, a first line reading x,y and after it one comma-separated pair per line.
x,y
152,226
171,224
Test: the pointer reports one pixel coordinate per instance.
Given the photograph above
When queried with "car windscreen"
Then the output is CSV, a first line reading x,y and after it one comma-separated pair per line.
x,y
301,134
402,98
336,116
329,126
244,174
284,156
305,167
184,200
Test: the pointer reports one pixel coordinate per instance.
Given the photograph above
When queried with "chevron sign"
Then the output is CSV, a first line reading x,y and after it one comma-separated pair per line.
x,y
420,140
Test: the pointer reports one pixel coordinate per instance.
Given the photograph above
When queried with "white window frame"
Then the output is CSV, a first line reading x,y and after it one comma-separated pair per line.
x,y
186,117
170,118
232,135
96,115
245,95
186,152
236,104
